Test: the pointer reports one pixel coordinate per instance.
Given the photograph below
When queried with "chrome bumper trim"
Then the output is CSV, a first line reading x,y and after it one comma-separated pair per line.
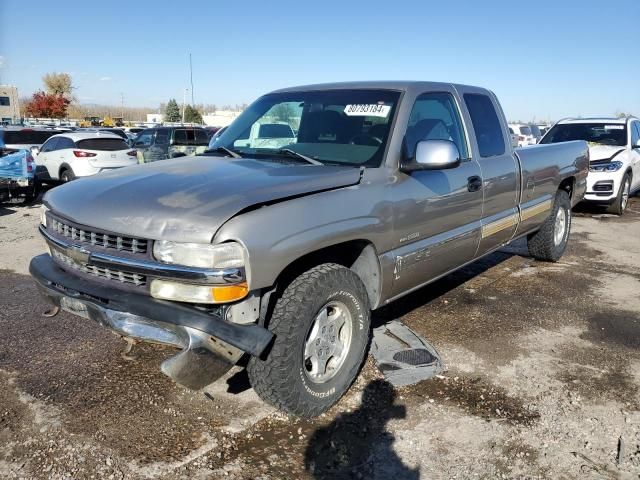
x,y
80,254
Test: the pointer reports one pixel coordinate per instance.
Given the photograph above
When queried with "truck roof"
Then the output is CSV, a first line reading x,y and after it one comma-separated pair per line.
x,y
400,85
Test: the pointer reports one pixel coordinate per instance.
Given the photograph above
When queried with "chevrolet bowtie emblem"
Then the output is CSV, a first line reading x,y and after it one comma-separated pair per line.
x,y
78,253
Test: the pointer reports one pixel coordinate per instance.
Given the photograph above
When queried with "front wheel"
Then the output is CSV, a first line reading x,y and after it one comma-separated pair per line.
x,y
620,204
549,243
322,329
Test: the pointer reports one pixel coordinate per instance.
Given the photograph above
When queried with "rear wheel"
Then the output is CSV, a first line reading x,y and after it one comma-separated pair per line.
x,y
322,329
622,200
549,243
67,176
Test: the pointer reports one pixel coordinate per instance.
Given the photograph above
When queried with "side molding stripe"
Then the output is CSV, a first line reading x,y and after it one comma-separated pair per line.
x,y
499,225
531,212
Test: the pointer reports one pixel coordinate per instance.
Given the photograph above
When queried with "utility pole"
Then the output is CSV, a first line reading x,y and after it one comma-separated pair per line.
x,y
193,103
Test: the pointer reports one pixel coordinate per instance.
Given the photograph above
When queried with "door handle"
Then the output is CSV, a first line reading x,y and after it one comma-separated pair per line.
x,y
474,183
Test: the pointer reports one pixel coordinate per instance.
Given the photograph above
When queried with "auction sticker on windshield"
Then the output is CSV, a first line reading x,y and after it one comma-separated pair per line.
x,y
367,110
614,127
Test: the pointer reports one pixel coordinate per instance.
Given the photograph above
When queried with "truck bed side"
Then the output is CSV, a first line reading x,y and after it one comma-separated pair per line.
x,y
545,168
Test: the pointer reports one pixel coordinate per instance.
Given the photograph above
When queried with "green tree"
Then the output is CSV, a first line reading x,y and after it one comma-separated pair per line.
x,y
172,112
191,115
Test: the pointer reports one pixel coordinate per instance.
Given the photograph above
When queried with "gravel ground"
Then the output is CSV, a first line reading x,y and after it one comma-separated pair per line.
x,y
542,381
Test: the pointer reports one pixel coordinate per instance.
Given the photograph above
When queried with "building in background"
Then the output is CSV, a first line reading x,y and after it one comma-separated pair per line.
x,y
155,118
9,104
220,118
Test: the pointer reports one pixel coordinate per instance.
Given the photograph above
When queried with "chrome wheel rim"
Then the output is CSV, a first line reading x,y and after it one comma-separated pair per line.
x,y
328,342
560,226
625,194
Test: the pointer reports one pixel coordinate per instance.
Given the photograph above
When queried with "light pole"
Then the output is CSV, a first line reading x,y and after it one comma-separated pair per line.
x,y
184,102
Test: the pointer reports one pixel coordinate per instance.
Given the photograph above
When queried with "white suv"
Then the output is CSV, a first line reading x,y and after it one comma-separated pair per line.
x,y
614,150
80,154
524,133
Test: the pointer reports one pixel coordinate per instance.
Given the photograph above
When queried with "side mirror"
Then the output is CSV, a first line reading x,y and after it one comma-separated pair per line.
x,y
433,155
34,151
138,144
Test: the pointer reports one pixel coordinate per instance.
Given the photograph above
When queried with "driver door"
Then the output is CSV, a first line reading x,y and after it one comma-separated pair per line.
x,y
437,213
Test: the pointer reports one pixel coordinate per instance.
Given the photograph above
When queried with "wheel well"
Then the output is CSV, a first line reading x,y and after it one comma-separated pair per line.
x,y
358,255
63,168
567,185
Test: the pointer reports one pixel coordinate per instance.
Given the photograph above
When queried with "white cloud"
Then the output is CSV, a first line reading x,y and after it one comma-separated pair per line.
x,y
105,79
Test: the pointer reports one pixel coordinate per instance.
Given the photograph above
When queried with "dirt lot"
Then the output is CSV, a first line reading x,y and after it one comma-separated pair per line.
x,y
542,381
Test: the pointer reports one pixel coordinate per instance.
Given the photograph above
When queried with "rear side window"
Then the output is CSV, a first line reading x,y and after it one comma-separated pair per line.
x,y
64,142
103,144
27,137
485,125
190,137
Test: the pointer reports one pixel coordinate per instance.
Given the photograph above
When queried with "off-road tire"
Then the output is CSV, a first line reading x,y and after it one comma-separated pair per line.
x,y
67,176
619,206
280,379
541,244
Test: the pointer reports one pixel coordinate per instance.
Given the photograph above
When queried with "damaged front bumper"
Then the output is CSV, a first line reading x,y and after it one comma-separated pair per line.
x,y
210,345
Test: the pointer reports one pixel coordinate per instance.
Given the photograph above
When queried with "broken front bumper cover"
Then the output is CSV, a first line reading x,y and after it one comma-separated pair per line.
x,y
210,345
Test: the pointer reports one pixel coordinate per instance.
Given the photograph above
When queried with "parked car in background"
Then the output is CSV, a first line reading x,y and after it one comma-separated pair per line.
x,y
544,128
160,143
116,131
280,246
523,131
25,138
614,149
535,131
211,131
17,173
68,156
514,138
215,136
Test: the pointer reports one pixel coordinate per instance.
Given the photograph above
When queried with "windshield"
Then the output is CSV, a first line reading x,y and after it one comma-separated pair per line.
x,y
525,131
598,133
349,127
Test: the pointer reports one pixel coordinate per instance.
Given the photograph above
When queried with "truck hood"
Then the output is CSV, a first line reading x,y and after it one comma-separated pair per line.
x,y
603,152
187,199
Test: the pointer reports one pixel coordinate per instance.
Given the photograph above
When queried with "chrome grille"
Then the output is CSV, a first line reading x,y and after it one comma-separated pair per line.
x,y
117,242
107,273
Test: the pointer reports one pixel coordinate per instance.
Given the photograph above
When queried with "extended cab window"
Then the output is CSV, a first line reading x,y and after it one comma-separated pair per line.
x,y
435,117
486,125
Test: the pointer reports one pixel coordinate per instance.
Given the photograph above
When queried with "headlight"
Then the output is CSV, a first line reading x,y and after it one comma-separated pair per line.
x,y
184,292
606,167
223,255
43,215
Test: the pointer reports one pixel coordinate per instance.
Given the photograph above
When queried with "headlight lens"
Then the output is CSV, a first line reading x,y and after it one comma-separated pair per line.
x,y
43,215
606,167
184,292
223,255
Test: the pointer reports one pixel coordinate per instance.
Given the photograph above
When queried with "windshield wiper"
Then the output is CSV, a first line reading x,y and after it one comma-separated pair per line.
x,y
221,149
293,153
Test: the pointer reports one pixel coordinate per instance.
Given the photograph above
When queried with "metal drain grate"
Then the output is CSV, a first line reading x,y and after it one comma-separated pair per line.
x,y
415,356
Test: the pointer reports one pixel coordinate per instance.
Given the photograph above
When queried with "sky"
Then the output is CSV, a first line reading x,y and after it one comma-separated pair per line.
x,y
544,59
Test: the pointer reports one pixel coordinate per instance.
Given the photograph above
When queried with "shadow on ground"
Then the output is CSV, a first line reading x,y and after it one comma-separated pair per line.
x,y
357,444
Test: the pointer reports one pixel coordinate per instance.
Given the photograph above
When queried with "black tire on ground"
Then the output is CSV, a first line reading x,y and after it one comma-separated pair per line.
x,y
545,245
283,378
620,204
67,176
